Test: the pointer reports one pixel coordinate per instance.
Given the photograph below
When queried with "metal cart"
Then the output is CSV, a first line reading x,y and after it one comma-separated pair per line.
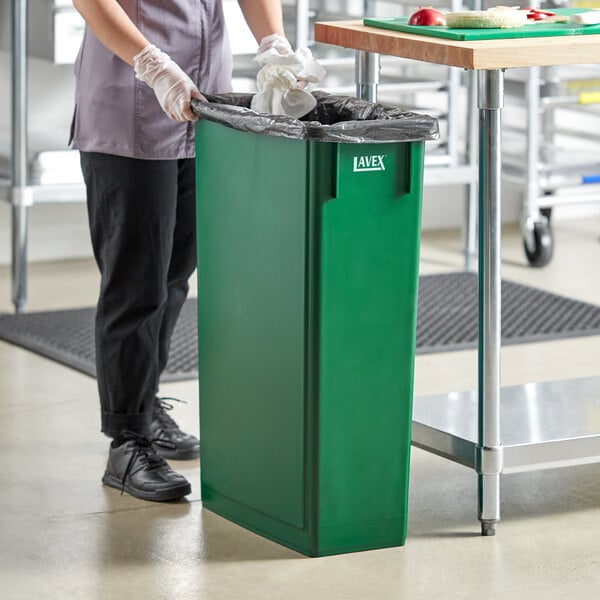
x,y
562,165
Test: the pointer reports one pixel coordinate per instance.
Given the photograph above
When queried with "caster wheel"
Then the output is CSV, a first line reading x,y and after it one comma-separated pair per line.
x,y
543,246
547,212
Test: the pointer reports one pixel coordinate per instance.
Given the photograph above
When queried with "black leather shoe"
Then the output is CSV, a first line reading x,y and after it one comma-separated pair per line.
x,y
182,446
135,467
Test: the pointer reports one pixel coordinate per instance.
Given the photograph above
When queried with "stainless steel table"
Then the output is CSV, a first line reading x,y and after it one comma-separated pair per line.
x,y
442,431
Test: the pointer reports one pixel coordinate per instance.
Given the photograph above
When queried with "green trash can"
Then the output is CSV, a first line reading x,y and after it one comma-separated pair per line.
x,y
308,252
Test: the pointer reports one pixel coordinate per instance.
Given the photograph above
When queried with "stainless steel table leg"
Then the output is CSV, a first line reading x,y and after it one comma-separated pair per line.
x,y
366,75
302,26
366,67
19,252
489,452
21,195
471,153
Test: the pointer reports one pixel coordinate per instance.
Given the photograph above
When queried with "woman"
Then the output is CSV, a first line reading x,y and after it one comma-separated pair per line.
x,y
140,63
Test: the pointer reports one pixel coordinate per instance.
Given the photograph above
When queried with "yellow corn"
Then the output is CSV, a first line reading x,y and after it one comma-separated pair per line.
x,y
589,98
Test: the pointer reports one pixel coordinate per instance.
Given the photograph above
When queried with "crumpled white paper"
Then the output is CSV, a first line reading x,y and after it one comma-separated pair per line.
x,y
284,83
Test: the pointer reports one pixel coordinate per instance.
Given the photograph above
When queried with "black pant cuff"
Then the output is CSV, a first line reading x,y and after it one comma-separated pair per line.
x,y
114,423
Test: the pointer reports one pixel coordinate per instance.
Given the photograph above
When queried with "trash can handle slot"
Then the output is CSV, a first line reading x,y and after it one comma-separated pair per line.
x,y
407,188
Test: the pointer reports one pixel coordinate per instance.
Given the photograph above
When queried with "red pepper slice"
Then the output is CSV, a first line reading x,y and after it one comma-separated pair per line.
x,y
539,11
535,14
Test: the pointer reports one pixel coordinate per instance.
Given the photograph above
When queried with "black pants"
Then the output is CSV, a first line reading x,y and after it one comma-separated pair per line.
x,y
142,223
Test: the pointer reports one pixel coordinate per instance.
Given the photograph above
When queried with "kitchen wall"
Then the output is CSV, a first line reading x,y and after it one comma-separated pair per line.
x,y
59,230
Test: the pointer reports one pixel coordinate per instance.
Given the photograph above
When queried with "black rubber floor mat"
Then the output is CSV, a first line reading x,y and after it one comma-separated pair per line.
x,y
447,321
447,318
67,336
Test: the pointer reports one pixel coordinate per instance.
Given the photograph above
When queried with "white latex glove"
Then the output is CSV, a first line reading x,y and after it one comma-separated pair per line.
x,y
280,93
284,88
311,70
172,87
274,49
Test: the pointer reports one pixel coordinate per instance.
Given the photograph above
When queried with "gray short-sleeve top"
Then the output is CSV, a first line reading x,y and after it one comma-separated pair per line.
x,y
115,113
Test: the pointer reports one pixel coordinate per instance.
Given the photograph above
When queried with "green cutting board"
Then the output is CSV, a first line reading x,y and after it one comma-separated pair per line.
x,y
538,29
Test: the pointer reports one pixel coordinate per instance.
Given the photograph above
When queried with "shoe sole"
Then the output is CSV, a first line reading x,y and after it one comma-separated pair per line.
x,y
165,495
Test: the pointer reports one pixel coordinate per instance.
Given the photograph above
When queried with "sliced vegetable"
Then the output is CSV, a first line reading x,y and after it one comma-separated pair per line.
x,y
500,17
536,14
555,19
591,17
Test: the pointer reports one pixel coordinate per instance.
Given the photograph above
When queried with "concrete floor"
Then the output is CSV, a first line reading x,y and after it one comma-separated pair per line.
x,y
64,535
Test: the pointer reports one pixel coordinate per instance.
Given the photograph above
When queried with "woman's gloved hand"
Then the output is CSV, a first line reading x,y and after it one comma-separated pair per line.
x,y
285,79
274,49
172,87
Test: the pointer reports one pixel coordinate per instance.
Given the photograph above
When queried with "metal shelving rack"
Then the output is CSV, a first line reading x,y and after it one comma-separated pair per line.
x,y
452,162
550,176
19,186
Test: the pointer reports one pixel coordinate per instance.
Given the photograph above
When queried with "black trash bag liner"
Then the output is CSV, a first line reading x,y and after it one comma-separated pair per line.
x,y
334,119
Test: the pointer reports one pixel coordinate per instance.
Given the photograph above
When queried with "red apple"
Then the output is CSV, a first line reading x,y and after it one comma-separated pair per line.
x,y
426,15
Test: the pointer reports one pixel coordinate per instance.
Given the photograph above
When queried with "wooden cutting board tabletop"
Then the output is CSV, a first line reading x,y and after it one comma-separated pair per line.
x,y
468,54
530,29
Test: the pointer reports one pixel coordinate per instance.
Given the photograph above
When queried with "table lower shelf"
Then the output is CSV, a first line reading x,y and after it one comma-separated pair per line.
x,y
543,425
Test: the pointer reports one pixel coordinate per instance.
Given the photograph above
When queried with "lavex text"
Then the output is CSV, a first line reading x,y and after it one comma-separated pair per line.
x,y
373,162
